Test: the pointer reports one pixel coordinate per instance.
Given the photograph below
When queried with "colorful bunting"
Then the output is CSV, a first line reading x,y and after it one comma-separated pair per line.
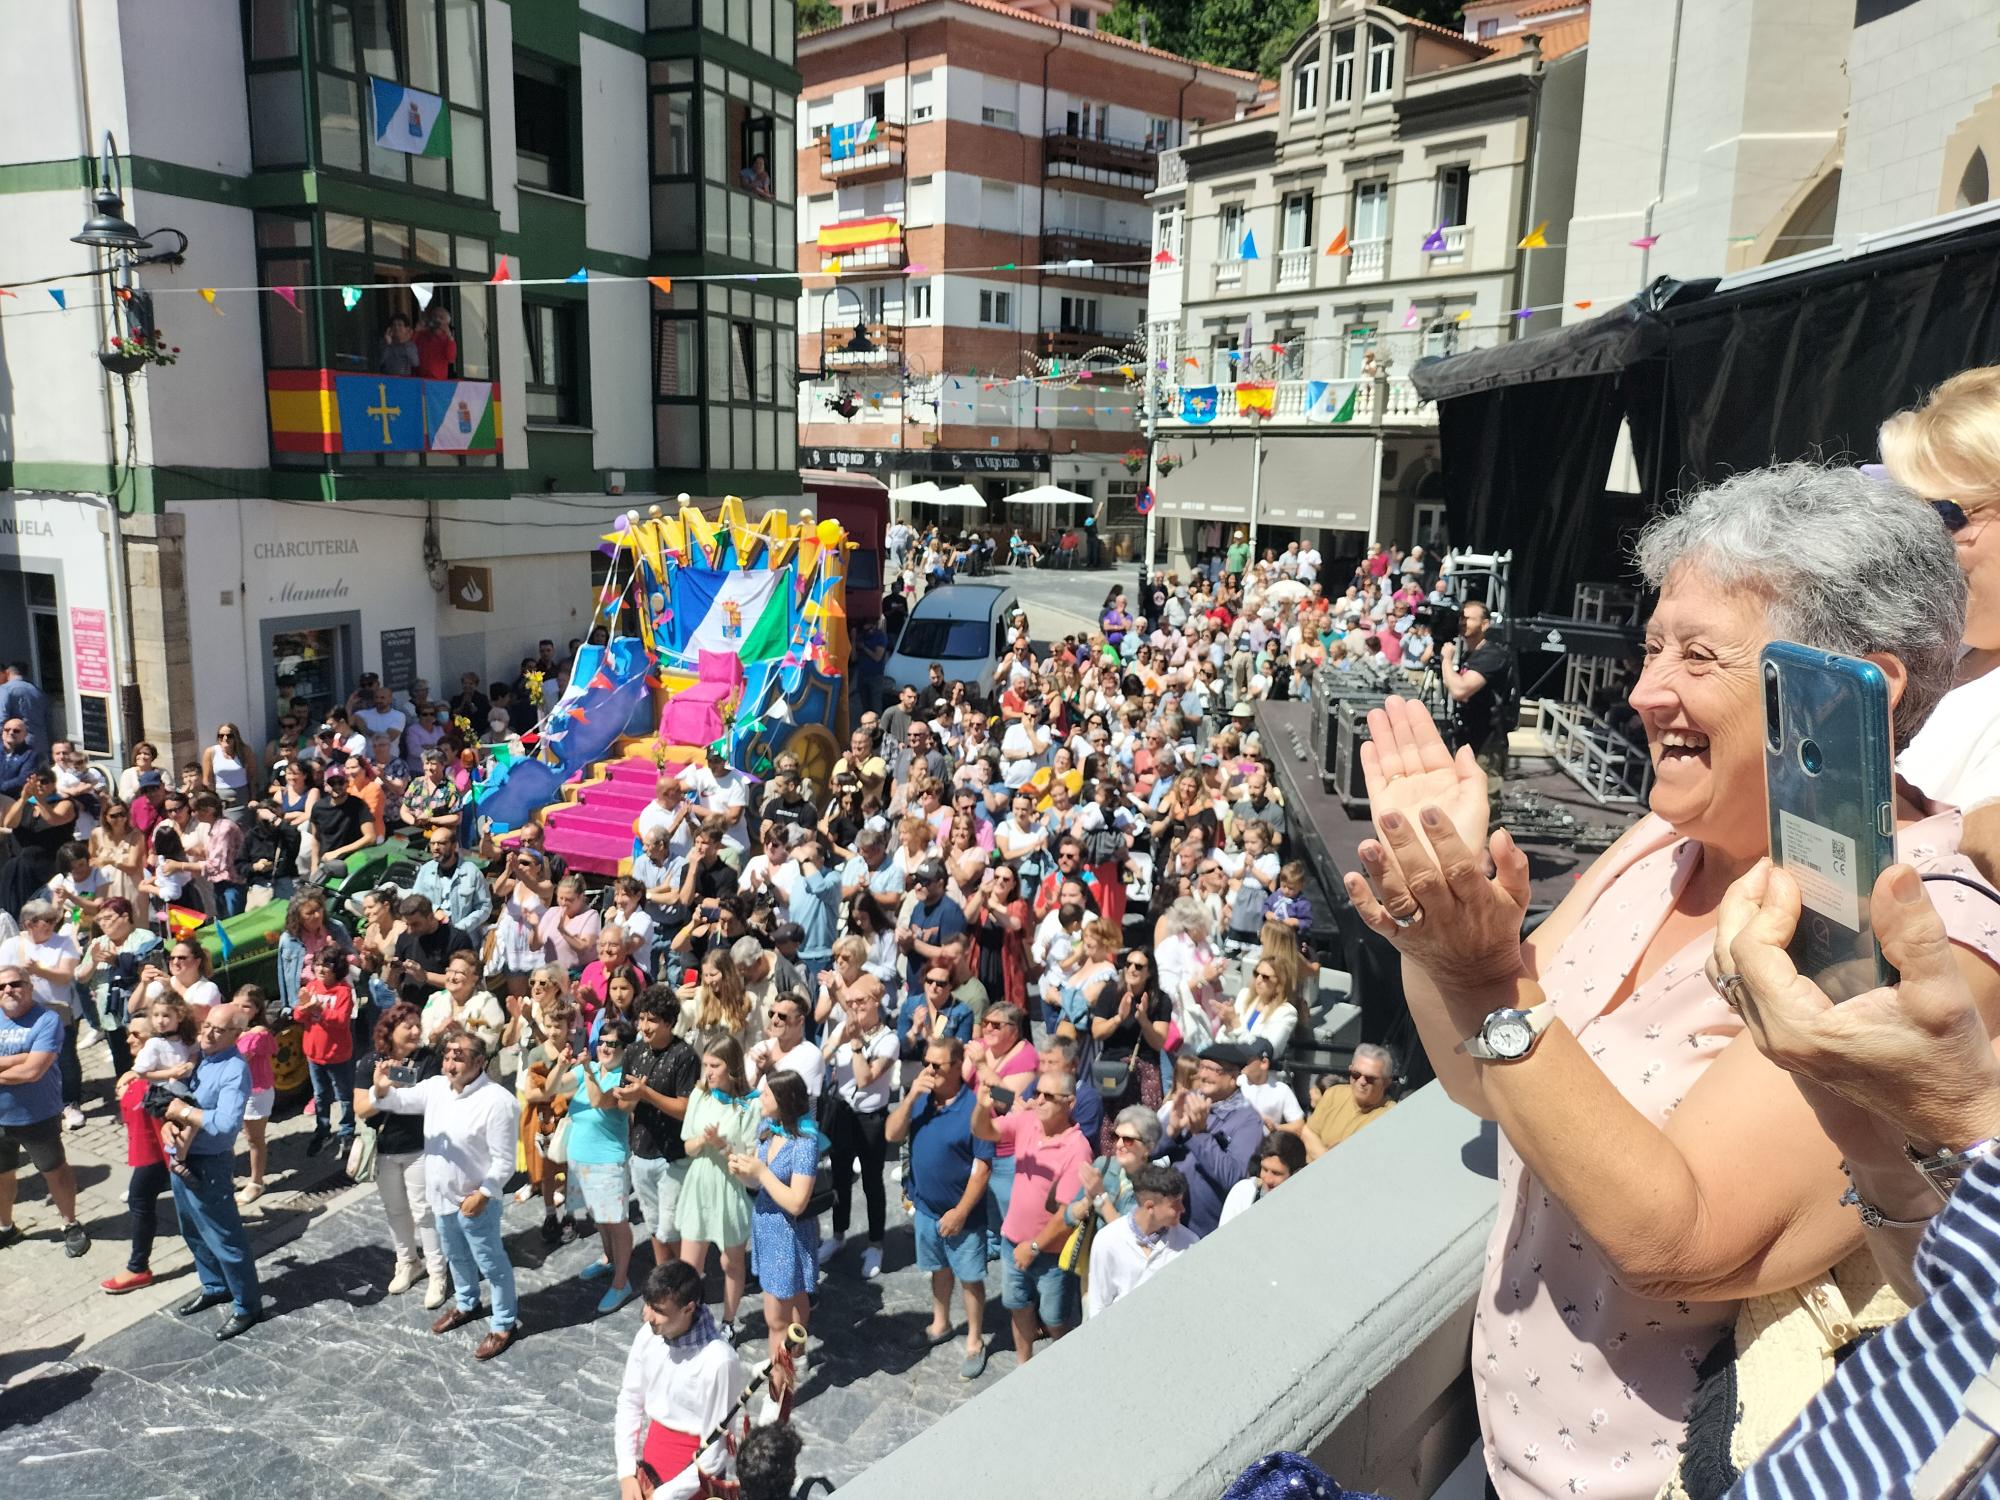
x,y
1536,238
580,274
1434,241
1339,244
1645,242
62,298
1164,258
1585,305
1464,317
350,297
1248,249
291,296
664,285
1522,312
500,273
207,295
421,290
1411,318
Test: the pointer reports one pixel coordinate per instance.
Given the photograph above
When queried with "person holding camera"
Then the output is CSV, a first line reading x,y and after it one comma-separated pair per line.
x,y
1479,675
198,1125
469,1139
399,1154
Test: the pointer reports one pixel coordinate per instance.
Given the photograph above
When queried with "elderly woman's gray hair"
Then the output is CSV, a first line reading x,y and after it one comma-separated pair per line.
x,y
746,951
1142,1122
1843,562
1189,916
39,911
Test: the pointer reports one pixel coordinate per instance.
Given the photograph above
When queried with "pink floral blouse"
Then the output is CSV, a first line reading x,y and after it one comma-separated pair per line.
x,y
1583,1386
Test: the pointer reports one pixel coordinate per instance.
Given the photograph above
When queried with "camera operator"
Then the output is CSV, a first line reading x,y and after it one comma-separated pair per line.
x,y
202,1135
1479,675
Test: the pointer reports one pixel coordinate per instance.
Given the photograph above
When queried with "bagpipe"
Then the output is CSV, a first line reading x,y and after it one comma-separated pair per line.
x,y
666,1453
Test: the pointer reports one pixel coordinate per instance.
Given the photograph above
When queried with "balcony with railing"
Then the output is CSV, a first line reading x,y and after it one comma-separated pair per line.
x,y
862,245
1368,260
1229,275
1344,1338
1297,402
1455,246
861,346
1074,343
849,152
1295,269
1129,166
1088,255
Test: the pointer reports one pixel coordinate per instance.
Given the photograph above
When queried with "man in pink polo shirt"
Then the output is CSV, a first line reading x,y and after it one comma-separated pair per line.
x,y
1049,1156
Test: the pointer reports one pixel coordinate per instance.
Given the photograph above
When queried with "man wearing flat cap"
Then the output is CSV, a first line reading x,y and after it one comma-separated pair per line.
x,y
1213,1134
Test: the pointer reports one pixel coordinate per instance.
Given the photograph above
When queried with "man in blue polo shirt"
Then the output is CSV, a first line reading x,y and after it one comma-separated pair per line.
x,y
31,1037
203,1137
947,1184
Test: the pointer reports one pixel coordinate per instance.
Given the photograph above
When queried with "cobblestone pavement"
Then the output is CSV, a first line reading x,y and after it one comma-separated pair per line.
x,y
343,1391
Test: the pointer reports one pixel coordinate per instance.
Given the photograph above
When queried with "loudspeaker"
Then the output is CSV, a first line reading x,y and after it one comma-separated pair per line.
x,y
1347,729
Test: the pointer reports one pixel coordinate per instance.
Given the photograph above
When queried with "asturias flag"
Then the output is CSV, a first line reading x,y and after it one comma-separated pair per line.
x,y
850,140
410,120
379,413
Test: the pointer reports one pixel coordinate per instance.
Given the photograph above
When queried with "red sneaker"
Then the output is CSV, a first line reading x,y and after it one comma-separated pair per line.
x,y
126,1281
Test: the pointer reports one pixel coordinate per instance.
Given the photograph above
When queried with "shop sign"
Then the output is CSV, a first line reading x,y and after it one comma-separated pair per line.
x,y
877,459
399,659
90,650
470,588
959,461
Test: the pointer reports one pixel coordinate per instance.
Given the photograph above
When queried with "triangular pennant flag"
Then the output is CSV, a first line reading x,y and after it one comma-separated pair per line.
x,y
1464,317
500,273
207,295
350,297
1585,305
62,297
1010,266
5,293
421,290
664,285
1192,363
1248,249
1434,241
290,294
1338,245
915,270
1522,312
1164,258
833,266
1536,238
1646,242
1410,318
581,273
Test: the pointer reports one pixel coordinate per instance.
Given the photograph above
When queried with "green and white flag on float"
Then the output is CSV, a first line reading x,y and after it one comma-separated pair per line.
x,y
409,120
461,416
747,618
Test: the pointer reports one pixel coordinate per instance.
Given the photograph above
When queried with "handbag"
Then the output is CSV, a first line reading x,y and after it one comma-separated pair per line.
x,y
557,1150
1114,1075
1762,1372
361,1156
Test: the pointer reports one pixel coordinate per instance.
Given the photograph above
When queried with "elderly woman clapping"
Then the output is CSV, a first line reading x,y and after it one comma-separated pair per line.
x,y
1657,1168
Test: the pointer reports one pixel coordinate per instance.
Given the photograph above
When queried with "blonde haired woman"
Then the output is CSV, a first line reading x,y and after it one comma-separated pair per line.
x,y
720,1005
1947,450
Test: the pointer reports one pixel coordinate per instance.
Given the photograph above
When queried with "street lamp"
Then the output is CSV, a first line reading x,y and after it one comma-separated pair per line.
x,y
108,228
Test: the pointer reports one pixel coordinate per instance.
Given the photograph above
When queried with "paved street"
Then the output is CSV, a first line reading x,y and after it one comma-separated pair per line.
x,y
344,1391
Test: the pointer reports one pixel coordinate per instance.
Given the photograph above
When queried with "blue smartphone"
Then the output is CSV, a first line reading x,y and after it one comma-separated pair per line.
x,y
1829,780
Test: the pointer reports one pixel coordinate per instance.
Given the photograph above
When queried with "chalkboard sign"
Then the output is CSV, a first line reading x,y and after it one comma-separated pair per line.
x,y
95,711
399,659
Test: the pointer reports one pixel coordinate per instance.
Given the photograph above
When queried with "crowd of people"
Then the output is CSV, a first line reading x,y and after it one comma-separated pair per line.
x,y
1039,965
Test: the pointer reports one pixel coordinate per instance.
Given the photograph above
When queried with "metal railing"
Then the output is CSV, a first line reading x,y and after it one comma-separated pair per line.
x,y
1072,343
1292,404
870,346
880,154
1111,257
1109,163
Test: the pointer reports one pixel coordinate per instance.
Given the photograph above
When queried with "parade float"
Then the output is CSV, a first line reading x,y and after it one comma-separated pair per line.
x,y
715,632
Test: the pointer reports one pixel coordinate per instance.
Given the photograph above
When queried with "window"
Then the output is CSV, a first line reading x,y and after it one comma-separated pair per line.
x,y
923,97
1079,17
1088,121
919,208
676,195
1453,184
919,303
1343,68
545,114
1371,210
1160,133
819,115
723,162
1441,338
1079,315
1298,225
437,47
1305,88
1489,30
554,363
996,309
1360,344
1292,355
999,207
751,422
875,101
1121,502
1001,103
1229,231
1167,233
1381,62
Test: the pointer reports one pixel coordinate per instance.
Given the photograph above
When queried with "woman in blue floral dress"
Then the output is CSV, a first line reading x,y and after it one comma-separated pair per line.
x,y
787,1238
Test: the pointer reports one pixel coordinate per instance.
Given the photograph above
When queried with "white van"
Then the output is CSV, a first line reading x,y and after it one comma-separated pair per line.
x,y
962,627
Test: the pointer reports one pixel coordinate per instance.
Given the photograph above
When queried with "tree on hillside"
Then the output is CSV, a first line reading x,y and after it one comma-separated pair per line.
x,y
816,15
1253,35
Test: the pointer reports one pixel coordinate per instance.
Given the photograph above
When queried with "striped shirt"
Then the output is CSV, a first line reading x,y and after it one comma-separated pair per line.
x,y
1885,1411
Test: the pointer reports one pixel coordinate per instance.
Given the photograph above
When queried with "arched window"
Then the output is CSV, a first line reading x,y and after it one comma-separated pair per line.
x,y
1974,187
1811,225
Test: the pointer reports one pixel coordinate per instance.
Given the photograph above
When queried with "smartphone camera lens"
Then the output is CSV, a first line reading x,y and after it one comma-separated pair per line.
x,y
1773,725
1811,758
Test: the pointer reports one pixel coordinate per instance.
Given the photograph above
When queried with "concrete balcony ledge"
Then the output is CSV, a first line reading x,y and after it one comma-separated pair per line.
x,y
1332,1320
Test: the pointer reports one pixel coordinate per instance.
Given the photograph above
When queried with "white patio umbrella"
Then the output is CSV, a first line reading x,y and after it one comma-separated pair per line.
x,y
923,490
1049,494
960,494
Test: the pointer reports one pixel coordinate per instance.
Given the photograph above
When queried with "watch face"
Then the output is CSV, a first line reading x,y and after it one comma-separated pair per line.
x,y
1511,1036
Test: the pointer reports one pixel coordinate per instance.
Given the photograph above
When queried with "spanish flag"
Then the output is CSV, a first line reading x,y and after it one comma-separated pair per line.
x,y
858,234
181,920
1260,396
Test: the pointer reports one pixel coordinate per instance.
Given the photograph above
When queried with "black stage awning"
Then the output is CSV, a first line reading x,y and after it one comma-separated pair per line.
x,y
1712,379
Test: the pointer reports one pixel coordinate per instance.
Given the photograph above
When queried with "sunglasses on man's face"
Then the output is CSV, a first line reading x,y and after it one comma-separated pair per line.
x,y
1354,1077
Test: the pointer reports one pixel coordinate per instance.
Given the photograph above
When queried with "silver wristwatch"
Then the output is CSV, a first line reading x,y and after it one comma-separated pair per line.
x,y
1508,1035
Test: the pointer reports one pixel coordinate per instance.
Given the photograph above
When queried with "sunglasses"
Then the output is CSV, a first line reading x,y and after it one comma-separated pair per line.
x,y
1136,963
1952,514
936,983
1354,1077
13,984
1130,1140
1266,974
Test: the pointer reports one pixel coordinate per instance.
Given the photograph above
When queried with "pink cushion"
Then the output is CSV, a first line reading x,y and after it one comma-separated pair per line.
x,y
720,666
693,716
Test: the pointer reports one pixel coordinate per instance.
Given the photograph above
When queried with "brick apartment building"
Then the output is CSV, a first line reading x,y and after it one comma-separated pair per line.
x,y
946,145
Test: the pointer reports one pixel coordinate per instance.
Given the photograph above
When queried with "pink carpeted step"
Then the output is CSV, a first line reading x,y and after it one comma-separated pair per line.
x,y
589,852
606,822
620,795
